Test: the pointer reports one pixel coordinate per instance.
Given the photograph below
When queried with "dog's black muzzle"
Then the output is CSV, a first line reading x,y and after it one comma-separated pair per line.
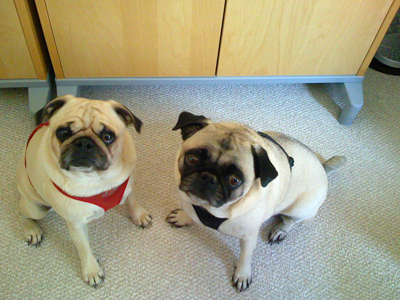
x,y
84,153
207,183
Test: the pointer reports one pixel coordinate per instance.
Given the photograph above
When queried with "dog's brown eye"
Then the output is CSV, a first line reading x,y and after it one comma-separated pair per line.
x,y
234,181
191,159
108,137
63,133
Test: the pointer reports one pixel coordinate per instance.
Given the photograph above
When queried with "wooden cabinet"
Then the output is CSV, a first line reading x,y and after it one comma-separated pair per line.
x,y
23,54
292,37
210,41
151,38
133,38
18,59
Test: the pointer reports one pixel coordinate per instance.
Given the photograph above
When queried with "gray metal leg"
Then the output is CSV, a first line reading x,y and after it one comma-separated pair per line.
x,y
38,97
68,90
350,86
352,95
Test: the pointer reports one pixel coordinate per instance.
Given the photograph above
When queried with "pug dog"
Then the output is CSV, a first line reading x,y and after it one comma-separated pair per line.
x,y
232,179
80,163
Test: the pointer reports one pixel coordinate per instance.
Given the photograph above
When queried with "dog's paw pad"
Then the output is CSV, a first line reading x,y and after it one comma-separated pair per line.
x,y
94,278
178,218
35,240
142,219
277,235
146,221
241,282
34,237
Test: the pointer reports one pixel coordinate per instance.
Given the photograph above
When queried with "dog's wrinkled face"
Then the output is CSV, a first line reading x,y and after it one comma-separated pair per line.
x,y
85,146
219,162
87,135
215,170
216,165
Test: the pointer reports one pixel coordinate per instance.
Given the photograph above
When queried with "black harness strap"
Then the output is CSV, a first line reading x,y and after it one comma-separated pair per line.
x,y
208,219
290,159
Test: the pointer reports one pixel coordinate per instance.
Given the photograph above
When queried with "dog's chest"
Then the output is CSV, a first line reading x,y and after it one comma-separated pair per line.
x,y
237,227
71,208
106,200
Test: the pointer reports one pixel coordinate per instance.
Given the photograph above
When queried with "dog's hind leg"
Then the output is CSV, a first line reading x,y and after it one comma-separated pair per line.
x,y
28,212
279,231
302,210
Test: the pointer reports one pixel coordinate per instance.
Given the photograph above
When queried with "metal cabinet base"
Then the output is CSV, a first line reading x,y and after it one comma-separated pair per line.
x,y
39,91
350,86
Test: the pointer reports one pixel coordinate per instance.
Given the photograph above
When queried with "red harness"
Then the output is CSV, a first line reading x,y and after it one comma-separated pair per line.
x,y
106,200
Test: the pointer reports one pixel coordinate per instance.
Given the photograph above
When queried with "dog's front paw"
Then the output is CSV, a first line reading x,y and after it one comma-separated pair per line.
x,y
93,275
242,279
141,217
276,235
179,218
33,233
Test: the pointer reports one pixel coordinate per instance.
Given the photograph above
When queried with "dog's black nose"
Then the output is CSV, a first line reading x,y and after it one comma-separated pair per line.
x,y
84,144
208,178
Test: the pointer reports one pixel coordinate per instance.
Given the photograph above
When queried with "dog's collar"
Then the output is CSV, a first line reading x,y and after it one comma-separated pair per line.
x,y
106,200
266,136
208,219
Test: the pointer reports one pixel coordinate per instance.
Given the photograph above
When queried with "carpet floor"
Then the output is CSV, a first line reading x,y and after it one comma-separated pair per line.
x,y
351,250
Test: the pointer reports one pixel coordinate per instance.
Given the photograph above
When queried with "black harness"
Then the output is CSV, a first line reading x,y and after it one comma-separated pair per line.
x,y
213,222
266,136
208,219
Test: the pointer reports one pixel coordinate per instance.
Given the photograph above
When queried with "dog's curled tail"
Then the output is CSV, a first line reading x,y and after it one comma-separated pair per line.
x,y
334,163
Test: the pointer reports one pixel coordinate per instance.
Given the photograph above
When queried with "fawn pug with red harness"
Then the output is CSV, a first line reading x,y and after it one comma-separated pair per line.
x,y
80,163
232,179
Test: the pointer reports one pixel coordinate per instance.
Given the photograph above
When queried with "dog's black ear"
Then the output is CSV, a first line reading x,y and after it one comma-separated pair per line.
x,y
126,115
50,109
190,124
263,168
38,116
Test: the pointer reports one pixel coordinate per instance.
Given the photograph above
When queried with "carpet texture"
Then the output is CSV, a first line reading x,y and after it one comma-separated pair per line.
x,y
351,250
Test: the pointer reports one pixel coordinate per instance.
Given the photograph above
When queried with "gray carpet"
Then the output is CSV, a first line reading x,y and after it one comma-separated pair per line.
x,y
351,250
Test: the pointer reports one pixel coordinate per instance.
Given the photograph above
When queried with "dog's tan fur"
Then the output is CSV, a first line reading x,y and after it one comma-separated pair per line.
x,y
38,194
295,194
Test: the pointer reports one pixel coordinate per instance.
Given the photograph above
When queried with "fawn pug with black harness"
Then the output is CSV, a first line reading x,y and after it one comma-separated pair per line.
x,y
232,179
80,163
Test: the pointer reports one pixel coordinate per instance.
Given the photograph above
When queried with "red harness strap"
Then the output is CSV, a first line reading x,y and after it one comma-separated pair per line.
x,y
106,200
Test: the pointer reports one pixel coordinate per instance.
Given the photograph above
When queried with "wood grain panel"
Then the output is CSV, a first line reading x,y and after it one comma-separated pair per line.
x,y
15,59
291,37
33,34
128,38
379,37
50,42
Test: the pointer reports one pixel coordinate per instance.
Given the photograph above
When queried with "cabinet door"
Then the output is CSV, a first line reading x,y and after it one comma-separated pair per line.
x,y
15,59
292,37
126,38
